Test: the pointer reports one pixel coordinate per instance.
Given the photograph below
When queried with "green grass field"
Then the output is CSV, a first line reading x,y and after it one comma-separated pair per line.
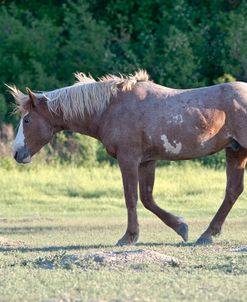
x,y
47,212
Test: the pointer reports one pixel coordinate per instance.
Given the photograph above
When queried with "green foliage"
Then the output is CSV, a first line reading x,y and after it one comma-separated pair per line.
x,y
180,43
226,77
214,161
236,39
85,47
3,108
29,48
104,157
73,148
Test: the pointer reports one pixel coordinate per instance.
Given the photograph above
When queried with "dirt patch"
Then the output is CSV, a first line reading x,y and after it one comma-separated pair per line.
x,y
5,242
115,259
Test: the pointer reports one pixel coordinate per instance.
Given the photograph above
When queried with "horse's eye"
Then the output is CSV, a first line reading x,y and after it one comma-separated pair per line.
x,y
26,121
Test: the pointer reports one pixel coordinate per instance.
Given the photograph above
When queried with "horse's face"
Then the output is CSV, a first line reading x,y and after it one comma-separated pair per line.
x,y
35,130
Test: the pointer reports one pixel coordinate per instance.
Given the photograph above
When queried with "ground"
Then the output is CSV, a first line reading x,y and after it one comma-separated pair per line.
x,y
49,214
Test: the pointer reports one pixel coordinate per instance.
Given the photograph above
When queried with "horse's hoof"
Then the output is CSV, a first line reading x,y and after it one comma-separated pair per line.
x,y
204,241
128,239
122,242
183,231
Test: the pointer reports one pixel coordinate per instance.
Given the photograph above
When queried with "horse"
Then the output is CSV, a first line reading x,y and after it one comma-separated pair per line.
x,y
139,122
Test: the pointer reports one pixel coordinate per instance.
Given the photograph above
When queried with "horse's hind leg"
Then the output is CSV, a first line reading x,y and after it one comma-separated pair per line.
x,y
235,161
146,183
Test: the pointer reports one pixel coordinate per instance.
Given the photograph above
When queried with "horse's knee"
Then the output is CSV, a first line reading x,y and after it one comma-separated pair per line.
x,y
147,203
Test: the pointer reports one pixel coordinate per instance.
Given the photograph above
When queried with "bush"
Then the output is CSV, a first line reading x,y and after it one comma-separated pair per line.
x,y
215,161
226,77
3,108
73,148
104,157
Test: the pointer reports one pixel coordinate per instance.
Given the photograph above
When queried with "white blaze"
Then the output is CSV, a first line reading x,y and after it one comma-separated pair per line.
x,y
169,147
20,138
20,142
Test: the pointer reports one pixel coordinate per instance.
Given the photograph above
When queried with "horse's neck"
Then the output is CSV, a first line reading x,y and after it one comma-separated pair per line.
x,y
87,125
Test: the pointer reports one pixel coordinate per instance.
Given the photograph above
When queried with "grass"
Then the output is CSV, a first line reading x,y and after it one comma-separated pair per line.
x,y
69,210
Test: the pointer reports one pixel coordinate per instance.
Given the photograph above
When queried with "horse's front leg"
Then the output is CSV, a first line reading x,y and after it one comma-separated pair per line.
x,y
129,170
236,161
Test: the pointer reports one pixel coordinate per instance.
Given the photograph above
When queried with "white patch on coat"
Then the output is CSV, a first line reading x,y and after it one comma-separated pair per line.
x,y
19,139
203,142
169,147
176,119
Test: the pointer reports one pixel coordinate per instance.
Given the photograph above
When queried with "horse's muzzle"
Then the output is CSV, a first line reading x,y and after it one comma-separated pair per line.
x,y
22,155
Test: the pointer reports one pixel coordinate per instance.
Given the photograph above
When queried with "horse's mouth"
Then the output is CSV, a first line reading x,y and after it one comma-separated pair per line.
x,y
27,160
22,158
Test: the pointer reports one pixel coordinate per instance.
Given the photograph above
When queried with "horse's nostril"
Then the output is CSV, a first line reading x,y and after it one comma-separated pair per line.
x,y
15,156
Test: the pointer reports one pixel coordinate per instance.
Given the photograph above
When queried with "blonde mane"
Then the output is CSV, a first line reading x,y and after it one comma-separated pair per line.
x,y
86,94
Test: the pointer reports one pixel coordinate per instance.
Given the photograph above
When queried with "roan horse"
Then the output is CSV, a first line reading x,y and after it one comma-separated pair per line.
x,y
139,122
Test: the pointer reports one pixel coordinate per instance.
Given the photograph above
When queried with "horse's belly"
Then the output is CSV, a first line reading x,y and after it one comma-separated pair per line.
x,y
187,137
182,149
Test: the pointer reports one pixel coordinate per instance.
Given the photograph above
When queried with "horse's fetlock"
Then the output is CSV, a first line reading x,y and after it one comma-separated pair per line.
x,y
215,230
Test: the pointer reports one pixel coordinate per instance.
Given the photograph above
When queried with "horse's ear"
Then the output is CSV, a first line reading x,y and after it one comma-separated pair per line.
x,y
32,97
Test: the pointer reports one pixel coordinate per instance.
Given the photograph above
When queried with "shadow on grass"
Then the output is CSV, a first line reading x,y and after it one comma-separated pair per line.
x,y
25,230
88,247
70,192
43,229
54,248
154,244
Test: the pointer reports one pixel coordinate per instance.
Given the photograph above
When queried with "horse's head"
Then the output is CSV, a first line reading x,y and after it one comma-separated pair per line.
x,y
35,128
